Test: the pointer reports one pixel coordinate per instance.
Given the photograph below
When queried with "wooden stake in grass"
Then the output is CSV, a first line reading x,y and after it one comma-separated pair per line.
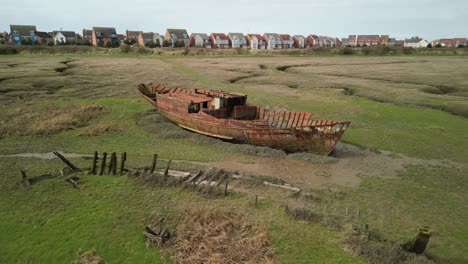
x,y
103,163
114,165
256,200
225,189
123,158
111,163
153,166
93,168
167,168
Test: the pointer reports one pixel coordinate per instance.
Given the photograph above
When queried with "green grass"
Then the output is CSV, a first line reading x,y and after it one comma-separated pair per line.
x,y
52,221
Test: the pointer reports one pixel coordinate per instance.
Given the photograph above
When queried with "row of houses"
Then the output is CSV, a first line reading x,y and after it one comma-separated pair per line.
x,y
107,36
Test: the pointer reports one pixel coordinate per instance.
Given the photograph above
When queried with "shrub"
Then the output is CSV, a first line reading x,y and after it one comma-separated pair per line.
x,y
166,43
366,51
186,52
408,50
438,46
460,46
8,50
124,48
347,51
429,45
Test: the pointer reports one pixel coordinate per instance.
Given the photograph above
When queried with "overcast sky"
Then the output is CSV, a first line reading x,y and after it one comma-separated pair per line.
x,y
430,19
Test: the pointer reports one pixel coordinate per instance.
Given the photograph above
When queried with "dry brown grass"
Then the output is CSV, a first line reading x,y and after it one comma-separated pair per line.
x,y
206,235
99,129
48,119
89,257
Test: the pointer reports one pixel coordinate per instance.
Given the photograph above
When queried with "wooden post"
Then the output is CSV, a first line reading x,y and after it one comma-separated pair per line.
x,y
167,168
225,189
256,200
123,158
114,165
103,163
346,211
93,168
111,163
153,166
69,164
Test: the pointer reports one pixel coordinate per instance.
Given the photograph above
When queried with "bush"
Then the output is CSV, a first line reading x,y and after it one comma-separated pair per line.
x,y
124,48
366,51
347,51
429,45
438,46
186,51
166,43
408,50
8,50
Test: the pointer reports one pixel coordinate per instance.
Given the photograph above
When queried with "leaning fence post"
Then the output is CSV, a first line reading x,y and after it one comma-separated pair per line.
x,y
103,163
167,168
93,168
123,158
256,200
153,166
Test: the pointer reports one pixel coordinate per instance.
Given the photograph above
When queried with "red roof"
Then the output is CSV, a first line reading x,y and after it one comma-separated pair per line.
x,y
220,35
285,36
258,36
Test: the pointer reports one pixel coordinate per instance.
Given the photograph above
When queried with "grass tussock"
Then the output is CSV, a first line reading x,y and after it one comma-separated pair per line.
x,y
100,129
382,252
210,236
89,257
48,119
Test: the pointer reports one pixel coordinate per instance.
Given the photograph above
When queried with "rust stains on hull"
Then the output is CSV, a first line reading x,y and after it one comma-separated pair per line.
x,y
228,116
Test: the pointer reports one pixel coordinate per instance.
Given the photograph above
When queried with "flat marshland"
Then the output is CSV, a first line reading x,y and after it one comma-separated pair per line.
x,y
401,164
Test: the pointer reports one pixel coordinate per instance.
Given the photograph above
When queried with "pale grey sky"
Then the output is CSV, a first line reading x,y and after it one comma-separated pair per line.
x,y
430,19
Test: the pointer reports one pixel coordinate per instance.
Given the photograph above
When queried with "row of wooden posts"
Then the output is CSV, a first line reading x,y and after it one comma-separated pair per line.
x,y
112,167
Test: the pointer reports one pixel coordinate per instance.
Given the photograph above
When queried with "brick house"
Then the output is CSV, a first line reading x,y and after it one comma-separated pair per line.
x,y
200,40
219,40
272,40
103,35
237,40
450,43
286,41
349,41
173,35
314,41
64,37
299,41
43,38
145,37
87,36
368,40
22,32
132,35
255,41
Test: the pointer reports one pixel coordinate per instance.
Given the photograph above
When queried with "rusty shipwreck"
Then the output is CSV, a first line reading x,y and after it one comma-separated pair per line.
x,y
228,116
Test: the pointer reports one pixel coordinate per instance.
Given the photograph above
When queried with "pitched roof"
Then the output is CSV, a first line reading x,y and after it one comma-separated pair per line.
x,y
133,33
23,29
275,35
44,35
368,37
202,35
298,36
258,36
239,35
67,34
178,33
413,40
105,32
220,35
87,32
147,35
285,36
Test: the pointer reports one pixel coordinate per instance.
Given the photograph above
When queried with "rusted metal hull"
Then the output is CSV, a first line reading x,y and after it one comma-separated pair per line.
x,y
290,131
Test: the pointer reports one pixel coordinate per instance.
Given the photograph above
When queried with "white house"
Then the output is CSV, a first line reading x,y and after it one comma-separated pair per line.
x,y
255,41
200,40
237,40
64,37
273,40
299,41
157,37
415,42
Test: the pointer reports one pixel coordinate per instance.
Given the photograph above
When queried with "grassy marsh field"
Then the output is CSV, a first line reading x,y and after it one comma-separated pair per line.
x,y
403,162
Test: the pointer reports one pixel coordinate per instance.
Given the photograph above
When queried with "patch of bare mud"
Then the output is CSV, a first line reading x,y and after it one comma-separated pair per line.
x,y
353,164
